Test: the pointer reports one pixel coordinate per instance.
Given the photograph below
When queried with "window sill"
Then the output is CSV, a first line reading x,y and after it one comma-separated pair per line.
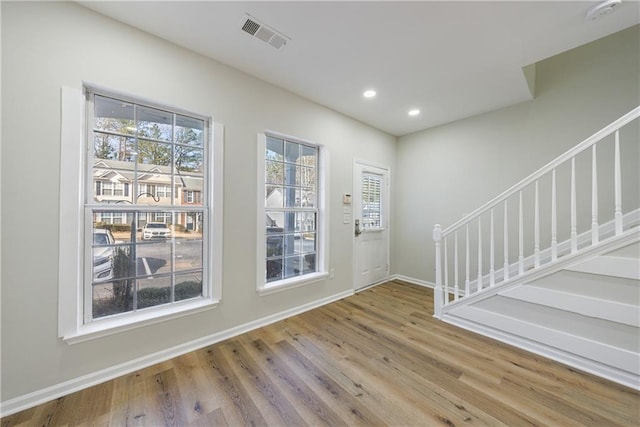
x,y
104,327
286,284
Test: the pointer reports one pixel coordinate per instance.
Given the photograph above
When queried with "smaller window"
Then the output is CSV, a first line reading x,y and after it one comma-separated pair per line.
x,y
291,215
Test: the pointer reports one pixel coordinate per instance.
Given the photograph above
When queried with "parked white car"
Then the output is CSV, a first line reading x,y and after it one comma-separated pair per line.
x,y
103,252
155,230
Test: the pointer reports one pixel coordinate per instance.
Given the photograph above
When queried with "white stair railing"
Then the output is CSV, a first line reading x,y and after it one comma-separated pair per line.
x,y
453,285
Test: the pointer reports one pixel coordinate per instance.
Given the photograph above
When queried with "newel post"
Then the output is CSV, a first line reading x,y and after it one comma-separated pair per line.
x,y
437,293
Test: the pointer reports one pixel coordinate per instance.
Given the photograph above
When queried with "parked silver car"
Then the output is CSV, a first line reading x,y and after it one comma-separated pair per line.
x,y
103,252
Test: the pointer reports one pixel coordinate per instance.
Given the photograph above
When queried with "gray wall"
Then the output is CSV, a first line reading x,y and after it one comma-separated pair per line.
x,y
443,172
450,170
49,45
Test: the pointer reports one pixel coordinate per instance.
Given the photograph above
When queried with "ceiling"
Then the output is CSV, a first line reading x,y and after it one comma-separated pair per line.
x,y
448,59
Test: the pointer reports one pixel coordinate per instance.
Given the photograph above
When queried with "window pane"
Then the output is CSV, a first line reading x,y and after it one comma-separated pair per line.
x,y
188,225
275,222
291,152
371,200
188,159
154,189
307,198
189,131
112,297
307,221
274,197
103,255
154,153
153,258
274,270
154,291
297,243
299,197
305,243
290,174
113,115
293,221
110,259
292,197
308,156
103,264
112,147
188,286
188,254
290,223
191,190
289,244
305,177
117,224
274,172
293,266
155,124
275,149
309,264
275,245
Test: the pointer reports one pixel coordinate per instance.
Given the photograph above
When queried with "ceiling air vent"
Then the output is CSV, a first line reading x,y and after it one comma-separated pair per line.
x,y
264,33
250,27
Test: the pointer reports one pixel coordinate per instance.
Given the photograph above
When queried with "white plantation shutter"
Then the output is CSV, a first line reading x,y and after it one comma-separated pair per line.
x,y
371,200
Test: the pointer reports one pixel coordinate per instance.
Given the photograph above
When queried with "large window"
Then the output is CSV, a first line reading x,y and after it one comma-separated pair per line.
x,y
291,228
147,252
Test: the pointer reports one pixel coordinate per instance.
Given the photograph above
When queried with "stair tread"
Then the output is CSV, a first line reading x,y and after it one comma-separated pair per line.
x,y
620,312
605,331
592,354
616,289
610,265
630,251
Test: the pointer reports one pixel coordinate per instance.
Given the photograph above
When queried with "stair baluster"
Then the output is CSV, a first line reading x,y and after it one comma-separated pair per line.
x,y
540,257
594,196
617,177
554,218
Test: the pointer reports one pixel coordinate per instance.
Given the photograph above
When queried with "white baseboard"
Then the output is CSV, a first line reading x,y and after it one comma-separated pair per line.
x,y
29,400
413,281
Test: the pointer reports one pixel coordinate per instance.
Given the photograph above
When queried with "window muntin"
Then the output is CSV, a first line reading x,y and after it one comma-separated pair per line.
x,y
162,154
291,209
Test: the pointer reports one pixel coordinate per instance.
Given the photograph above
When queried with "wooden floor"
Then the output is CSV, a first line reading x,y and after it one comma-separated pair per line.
x,y
376,358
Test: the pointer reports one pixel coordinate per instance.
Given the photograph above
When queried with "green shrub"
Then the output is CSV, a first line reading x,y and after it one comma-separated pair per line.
x,y
113,227
121,300
150,297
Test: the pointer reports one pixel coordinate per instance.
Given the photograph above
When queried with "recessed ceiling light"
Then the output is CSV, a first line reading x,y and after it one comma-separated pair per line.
x,y
369,93
414,112
602,9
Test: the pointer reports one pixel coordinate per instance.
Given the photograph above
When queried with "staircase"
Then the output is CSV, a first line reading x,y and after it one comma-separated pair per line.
x,y
567,292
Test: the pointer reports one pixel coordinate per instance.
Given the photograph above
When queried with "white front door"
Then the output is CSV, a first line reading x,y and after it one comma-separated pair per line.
x,y
371,224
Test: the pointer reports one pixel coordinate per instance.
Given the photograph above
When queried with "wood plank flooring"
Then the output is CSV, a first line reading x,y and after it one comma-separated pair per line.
x,y
376,358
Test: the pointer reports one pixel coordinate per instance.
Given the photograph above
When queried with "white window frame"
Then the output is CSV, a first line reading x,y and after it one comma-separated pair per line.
x,y
322,232
71,286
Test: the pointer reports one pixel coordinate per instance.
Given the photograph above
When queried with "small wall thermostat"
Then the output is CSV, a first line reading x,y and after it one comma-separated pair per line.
x,y
346,199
